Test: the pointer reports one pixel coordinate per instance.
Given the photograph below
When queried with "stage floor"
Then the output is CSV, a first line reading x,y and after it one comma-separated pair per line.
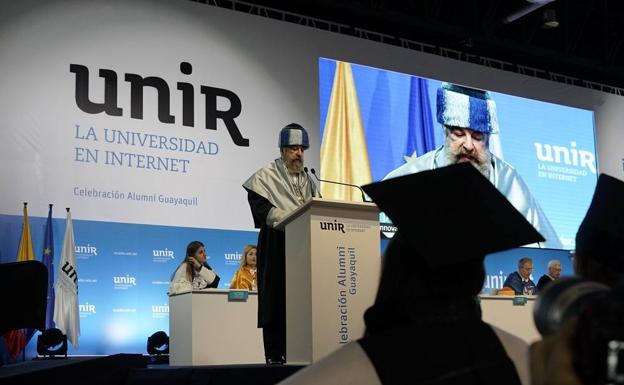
x,y
135,369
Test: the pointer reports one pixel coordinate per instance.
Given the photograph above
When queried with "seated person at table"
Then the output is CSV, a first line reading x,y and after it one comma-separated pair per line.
x,y
425,326
194,273
245,276
520,281
554,271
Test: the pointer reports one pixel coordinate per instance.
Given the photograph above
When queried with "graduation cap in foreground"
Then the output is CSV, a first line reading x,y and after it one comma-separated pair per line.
x,y
451,215
602,231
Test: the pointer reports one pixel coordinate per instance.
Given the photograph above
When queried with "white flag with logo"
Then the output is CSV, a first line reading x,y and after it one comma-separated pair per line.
x,y
66,314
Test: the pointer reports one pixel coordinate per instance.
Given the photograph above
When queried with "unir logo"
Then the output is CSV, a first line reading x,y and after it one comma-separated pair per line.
x,y
138,83
332,226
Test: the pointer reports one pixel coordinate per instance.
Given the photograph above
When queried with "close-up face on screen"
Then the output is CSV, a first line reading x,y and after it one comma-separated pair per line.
x,y
541,156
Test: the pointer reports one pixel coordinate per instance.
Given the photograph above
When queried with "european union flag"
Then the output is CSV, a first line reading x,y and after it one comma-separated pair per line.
x,y
420,135
48,261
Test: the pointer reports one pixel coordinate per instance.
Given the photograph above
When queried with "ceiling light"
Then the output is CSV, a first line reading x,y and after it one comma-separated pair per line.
x,y
549,18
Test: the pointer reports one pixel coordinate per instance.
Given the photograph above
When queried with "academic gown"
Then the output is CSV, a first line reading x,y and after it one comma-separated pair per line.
x,y
515,281
271,264
271,196
506,179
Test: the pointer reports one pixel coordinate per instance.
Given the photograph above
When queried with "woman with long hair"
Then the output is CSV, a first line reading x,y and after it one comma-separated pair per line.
x,y
193,273
245,276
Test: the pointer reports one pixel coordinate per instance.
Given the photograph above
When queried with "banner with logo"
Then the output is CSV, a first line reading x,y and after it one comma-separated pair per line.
x,y
145,118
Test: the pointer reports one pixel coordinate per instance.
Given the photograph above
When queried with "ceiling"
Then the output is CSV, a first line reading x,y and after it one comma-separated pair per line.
x,y
587,44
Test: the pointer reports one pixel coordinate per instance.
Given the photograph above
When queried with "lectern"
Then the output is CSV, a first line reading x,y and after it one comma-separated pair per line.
x,y
333,260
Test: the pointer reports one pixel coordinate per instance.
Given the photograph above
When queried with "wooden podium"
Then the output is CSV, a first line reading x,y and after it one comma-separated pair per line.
x,y
333,263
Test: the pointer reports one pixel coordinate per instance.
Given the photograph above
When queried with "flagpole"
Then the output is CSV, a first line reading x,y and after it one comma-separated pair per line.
x,y
48,260
24,331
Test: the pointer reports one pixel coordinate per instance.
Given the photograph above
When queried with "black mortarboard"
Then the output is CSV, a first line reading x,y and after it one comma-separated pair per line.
x,y
451,214
601,233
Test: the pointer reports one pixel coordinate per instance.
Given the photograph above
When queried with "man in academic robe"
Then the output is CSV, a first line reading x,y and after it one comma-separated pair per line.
x,y
520,281
273,192
468,117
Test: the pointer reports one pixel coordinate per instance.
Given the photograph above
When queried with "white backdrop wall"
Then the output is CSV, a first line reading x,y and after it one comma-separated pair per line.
x,y
272,67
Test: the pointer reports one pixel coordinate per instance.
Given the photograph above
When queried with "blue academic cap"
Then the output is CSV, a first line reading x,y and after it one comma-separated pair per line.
x,y
294,135
460,106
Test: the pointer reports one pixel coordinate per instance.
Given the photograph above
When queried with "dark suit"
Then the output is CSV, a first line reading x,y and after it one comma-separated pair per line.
x,y
543,281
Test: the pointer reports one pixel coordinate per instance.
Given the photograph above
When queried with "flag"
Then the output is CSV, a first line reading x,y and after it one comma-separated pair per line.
x,y
25,251
16,340
48,261
66,314
420,135
344,154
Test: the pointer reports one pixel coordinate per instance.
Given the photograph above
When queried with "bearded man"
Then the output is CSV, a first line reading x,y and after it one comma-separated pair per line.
x,y
273,192
468,117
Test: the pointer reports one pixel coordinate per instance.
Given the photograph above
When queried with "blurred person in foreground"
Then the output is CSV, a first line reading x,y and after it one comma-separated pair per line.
x,y
599,257
425,325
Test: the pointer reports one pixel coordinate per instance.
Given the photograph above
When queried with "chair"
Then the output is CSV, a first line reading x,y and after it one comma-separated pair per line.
x,y
25,288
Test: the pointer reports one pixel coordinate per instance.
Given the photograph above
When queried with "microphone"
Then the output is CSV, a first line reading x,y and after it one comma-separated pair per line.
x,y
305,169
340,183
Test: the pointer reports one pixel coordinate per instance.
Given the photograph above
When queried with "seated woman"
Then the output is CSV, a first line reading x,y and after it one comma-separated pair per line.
x,y
245,276
194,273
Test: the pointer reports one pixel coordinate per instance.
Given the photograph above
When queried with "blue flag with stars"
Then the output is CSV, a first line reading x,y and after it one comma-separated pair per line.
x,y
420,135
48,261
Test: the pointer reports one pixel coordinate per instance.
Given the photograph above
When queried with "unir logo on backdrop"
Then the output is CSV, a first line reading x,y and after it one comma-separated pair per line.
x,y
85,251
138,83
124,282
